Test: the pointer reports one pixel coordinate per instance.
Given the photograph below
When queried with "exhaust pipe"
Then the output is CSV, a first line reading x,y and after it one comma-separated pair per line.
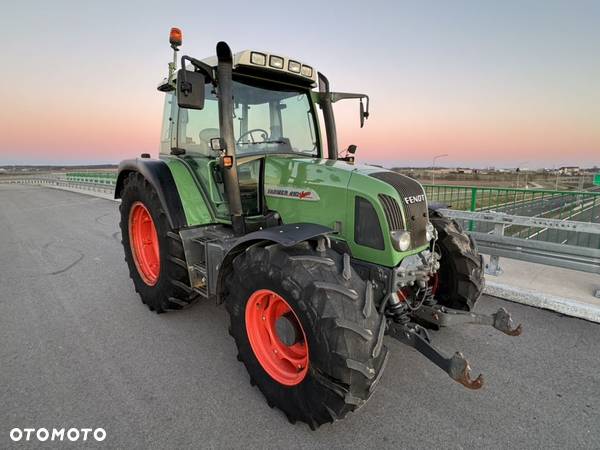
x,y
328,117
230,176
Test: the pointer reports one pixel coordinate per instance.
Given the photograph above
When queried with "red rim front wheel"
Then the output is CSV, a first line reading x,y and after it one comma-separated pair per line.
x,y
276,337
144,243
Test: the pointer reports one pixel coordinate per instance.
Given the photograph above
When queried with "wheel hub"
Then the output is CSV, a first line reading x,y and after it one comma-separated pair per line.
x,y
276,337
287,331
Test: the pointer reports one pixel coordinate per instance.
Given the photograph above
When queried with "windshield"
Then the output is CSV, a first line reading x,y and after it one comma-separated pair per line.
x,y
271,118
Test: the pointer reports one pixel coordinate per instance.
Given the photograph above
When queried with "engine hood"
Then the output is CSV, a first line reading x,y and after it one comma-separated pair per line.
x,y
327,192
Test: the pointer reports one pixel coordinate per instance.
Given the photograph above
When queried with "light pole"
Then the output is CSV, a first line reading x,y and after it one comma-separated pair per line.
x,y
519,171
435,158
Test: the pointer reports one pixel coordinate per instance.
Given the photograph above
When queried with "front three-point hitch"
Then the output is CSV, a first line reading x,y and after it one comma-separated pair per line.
x,y
457,367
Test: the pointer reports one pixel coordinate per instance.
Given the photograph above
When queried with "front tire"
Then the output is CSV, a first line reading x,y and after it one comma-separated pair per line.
x,y
335,328
153,251
460,280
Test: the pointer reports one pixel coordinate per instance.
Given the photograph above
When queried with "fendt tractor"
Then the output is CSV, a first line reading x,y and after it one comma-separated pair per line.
x,y
315,258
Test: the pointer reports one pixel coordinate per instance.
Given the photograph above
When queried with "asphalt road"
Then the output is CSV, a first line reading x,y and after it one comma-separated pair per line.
x,y
78,349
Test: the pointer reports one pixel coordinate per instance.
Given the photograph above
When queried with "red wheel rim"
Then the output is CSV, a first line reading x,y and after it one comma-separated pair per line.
x,y
144,243
285,363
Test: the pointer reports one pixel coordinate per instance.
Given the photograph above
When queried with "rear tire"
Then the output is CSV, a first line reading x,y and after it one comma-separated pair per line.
x,y
342,328
461,275
171,289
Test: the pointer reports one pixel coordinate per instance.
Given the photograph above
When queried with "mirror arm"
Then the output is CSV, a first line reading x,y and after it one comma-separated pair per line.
x,y
336,96
199,66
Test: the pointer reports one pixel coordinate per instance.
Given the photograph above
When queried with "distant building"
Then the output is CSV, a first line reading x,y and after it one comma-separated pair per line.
x,y
569,170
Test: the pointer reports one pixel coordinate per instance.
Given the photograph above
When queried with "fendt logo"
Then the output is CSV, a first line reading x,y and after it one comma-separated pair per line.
x,y
414,199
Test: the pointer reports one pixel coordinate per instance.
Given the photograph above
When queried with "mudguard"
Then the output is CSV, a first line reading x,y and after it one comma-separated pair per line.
x,y
159,176
286,235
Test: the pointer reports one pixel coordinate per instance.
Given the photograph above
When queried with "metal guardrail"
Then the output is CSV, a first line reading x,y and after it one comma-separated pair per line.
x,y
109,178
497,244
476,198
581,206
59,181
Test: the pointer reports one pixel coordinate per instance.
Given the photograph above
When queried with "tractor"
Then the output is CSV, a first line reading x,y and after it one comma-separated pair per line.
x,y
315,257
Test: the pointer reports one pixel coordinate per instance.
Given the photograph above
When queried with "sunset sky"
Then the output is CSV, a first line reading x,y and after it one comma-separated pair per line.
x,y
489,83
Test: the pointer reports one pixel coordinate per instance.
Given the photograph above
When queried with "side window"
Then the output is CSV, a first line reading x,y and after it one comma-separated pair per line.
x,y
299,127
169,112
197,127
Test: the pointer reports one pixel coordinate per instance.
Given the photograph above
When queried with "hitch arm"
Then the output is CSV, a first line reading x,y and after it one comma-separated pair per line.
x,y
446,317
457,367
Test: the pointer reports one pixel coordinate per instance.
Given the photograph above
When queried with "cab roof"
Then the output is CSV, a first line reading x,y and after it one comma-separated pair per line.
x,y
268,65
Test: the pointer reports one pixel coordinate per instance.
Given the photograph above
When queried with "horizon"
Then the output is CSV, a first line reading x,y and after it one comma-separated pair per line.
x,y
489,86
390,166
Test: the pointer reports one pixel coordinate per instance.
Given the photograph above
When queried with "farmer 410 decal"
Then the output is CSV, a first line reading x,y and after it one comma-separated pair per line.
x,y
292,192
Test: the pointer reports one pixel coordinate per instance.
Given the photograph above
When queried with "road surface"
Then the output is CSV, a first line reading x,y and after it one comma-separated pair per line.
x,y
78,349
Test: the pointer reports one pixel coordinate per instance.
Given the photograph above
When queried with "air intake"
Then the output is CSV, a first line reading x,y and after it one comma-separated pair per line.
x,y
393,214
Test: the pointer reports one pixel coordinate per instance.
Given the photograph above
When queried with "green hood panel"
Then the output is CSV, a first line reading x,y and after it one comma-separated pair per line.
x,y
324,191
307,189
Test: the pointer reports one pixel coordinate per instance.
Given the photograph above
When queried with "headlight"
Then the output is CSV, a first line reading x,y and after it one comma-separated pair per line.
x,y
276,62
306,71
430,232
401,240
294,66
258,58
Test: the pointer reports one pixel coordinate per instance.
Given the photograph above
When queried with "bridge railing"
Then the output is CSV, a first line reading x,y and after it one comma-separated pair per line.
x,y
581,206
497,244
105,178
65,180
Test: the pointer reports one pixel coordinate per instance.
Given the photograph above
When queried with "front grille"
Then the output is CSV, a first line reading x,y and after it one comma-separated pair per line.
x,y
393,213
416,211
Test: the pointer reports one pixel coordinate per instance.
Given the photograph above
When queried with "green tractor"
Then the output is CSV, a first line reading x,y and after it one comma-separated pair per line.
x,y
315,258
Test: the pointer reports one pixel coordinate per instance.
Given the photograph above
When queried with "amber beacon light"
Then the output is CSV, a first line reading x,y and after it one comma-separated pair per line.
x,y
175,37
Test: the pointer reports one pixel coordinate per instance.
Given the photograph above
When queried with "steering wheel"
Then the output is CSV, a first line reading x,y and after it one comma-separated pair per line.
x,y
249,133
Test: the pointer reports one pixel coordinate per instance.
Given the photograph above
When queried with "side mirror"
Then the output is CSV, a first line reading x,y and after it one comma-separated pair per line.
x,y
190,89
351,149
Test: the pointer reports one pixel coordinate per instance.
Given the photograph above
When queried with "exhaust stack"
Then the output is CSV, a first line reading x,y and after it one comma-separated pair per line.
x,y
228,161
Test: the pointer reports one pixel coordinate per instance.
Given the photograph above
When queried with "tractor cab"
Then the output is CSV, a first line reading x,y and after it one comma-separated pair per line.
x,y
234,143
269,118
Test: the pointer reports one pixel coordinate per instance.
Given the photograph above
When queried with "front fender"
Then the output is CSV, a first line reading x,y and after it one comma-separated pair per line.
x,y
286,235
158,174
